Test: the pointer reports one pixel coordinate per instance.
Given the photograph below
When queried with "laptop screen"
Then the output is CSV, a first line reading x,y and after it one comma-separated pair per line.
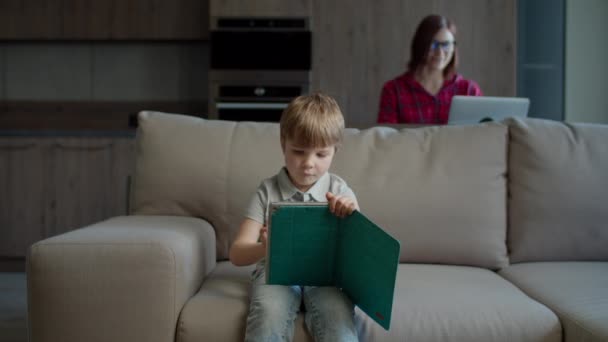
x,y
466,110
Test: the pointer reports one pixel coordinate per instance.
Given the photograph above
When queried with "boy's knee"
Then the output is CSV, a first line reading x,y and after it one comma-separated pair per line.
x,y
270,308
330,302
270,320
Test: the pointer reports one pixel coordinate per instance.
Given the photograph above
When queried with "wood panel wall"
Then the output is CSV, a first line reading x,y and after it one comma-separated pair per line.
x,y
360,44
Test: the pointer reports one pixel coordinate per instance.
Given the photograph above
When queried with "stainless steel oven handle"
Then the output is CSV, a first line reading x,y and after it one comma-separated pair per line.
x,y
250,105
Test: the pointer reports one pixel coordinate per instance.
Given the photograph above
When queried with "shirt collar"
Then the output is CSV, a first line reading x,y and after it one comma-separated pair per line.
x,y
317,191
409,78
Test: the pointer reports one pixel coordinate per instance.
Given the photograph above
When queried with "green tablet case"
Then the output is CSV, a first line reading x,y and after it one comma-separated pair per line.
x,y
309,246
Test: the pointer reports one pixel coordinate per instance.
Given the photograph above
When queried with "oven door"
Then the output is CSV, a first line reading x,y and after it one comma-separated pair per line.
x,y
250,111
260,50
252,102
261,44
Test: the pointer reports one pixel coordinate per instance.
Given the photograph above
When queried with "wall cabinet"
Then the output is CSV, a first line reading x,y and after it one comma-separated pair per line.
x,y
260,8
107,19
53,185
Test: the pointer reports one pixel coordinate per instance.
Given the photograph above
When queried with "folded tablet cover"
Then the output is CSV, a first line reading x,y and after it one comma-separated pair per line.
x,y
308,245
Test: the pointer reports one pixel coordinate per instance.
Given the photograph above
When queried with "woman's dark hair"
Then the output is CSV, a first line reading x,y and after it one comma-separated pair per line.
x,y
423,38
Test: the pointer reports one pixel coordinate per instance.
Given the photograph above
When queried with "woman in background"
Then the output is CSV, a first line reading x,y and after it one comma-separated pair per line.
x,y
423,94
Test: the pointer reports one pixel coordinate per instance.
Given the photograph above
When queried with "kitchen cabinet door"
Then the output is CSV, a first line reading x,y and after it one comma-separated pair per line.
x,y
54,185
261,8
23,194
104,20
89,182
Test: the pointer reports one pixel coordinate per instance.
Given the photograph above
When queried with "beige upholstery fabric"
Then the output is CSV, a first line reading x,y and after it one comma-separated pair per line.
x,y
219,310
576,291
416,183
432,303
558,191
437,303
124,279
203,168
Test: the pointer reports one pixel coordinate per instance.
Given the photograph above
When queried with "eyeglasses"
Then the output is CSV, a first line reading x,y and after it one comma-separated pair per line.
x,y
446,46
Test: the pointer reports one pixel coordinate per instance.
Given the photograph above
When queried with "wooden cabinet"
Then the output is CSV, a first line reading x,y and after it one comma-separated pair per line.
x,y
260,8
25,19
23,164
102,20
53,185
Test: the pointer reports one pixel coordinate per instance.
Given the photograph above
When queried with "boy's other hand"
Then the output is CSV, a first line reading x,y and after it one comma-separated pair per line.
x,y
341,206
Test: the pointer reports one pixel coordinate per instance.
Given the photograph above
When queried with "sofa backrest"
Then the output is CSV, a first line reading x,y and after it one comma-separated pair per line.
x,y
187,166
558,184
440,190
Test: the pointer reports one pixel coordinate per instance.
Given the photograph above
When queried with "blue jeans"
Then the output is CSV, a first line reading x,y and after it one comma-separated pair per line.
x,y
273,309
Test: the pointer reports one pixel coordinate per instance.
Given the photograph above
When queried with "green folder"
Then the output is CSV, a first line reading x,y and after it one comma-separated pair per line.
x,y
309,246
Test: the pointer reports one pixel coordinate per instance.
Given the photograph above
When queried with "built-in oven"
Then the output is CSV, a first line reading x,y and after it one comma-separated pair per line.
x,y
258,65
254,98
261,44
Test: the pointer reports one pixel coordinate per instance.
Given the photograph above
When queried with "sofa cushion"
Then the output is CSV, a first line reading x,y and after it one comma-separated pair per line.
x,y
576,291
218,312
441,191
432,303
459,303
557,185
204,168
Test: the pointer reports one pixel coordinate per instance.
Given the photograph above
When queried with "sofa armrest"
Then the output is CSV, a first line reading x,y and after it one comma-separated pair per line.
x,y
124,279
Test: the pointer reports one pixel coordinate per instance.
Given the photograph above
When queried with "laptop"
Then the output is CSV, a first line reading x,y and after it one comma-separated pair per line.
x,y
466,110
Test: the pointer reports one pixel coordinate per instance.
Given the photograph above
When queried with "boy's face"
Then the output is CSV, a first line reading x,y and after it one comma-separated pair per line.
x,y
306,165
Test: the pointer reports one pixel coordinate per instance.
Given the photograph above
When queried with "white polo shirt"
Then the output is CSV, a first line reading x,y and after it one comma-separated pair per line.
x,y
279,188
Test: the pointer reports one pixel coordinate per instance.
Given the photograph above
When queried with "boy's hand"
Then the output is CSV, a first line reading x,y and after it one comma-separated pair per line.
x,y
264,235
341,206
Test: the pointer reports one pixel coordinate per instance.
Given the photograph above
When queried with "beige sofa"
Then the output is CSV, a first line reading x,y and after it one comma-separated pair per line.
x,y
503,230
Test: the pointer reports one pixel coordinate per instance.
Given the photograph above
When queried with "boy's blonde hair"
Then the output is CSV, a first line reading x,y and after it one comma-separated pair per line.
x,y
313,120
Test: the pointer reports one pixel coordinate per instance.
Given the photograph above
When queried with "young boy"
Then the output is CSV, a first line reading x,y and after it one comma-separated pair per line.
x,y
311,130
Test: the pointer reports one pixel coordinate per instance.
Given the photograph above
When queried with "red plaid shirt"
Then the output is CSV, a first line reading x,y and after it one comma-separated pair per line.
x,y
404,100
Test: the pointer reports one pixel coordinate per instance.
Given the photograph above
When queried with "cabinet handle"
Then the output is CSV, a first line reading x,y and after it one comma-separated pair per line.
x,y
82,148
18,147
